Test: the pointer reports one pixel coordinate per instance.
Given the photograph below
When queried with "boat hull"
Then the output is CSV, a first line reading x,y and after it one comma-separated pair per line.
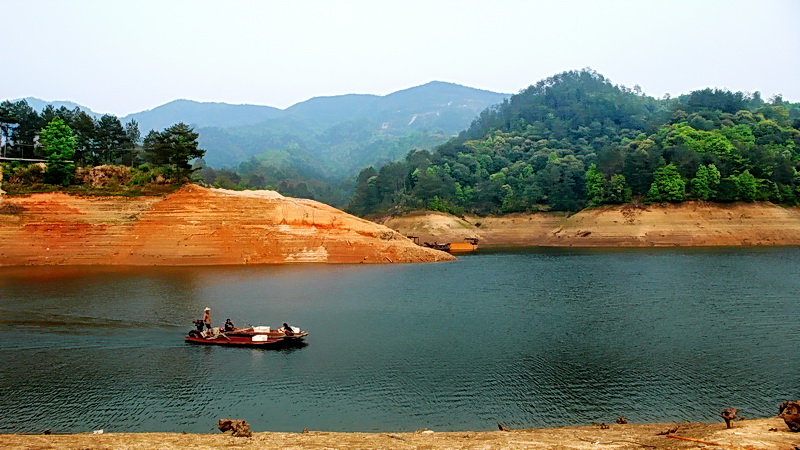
x,y
272,334
236,341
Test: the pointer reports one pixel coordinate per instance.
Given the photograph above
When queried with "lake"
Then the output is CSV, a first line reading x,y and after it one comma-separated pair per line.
x,y
533,338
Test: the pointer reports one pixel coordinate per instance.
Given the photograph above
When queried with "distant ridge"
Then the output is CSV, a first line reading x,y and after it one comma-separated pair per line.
x,y
331,136
201,114
39,105
433,96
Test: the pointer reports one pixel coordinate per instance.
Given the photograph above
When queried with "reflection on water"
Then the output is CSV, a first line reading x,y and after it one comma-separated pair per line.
x,y
533,338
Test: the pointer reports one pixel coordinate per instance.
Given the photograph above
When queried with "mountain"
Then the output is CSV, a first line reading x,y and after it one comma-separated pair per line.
x,y
39,105
323,139
332,137
327,111
201,114
446,107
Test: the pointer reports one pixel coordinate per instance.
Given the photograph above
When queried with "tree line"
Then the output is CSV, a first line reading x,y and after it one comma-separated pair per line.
x,y
576,140
104,140
68,139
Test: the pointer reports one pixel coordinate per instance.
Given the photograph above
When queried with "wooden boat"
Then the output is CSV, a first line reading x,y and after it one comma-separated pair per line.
x,y
241,341
296,334
251,336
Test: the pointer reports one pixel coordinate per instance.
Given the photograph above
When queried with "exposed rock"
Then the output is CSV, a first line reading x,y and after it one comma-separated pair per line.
x,y
729,414
194,226
668,431
100,176
237,428
790,413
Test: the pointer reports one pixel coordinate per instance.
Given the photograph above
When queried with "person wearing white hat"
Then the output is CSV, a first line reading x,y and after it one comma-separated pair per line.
x,y
207,317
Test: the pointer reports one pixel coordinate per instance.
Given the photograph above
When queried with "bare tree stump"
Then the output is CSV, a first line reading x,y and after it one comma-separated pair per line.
x,y
729,414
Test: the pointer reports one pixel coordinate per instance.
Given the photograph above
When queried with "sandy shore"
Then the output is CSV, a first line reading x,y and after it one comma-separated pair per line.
x,y
689,224
745,434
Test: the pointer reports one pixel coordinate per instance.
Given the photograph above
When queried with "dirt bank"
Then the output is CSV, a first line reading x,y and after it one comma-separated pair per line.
x,y
193,226
687,224
744,434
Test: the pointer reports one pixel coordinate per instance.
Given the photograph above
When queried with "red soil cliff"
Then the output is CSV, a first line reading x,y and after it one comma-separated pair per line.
x,y
193,226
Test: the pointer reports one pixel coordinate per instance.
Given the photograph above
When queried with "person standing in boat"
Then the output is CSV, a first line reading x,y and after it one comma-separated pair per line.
x,y
207,318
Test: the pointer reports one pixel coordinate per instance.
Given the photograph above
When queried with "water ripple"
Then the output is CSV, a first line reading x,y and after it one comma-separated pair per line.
x,y
540,338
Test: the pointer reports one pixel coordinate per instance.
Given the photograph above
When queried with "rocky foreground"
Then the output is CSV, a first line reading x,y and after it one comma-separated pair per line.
x,y
690,224
759,433
193,226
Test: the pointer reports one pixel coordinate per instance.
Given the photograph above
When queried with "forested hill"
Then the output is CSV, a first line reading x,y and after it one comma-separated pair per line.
x,y
313,149
335,137
576,139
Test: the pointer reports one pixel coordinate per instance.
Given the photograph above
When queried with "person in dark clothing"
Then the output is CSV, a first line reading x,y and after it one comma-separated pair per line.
x,y
287,330
228,325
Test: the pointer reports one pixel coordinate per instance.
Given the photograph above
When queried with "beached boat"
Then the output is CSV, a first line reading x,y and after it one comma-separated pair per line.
x,y
470,245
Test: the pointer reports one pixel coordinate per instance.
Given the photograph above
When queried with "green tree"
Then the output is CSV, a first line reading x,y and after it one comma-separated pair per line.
x,y
706,182
638,170
746,186
21,124
58,142
595,186
366,197
668,186
564,183
174,147
133,139
618,190
112,141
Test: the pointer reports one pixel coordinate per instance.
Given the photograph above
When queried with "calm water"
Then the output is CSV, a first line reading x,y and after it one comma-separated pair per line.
x,y
530,339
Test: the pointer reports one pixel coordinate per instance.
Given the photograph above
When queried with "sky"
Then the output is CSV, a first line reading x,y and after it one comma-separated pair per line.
x,y
121,57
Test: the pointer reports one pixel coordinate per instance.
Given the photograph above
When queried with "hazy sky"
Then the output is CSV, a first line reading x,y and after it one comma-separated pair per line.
x,y
126,56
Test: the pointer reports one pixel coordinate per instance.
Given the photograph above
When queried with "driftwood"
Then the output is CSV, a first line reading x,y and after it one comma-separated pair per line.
x,y
238,428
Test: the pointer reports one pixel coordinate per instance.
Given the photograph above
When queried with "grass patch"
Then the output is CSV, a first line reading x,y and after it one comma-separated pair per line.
x,y
102,191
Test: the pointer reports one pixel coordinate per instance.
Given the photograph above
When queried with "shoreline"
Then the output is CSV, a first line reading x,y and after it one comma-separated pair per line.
x,y
689,224
751,433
